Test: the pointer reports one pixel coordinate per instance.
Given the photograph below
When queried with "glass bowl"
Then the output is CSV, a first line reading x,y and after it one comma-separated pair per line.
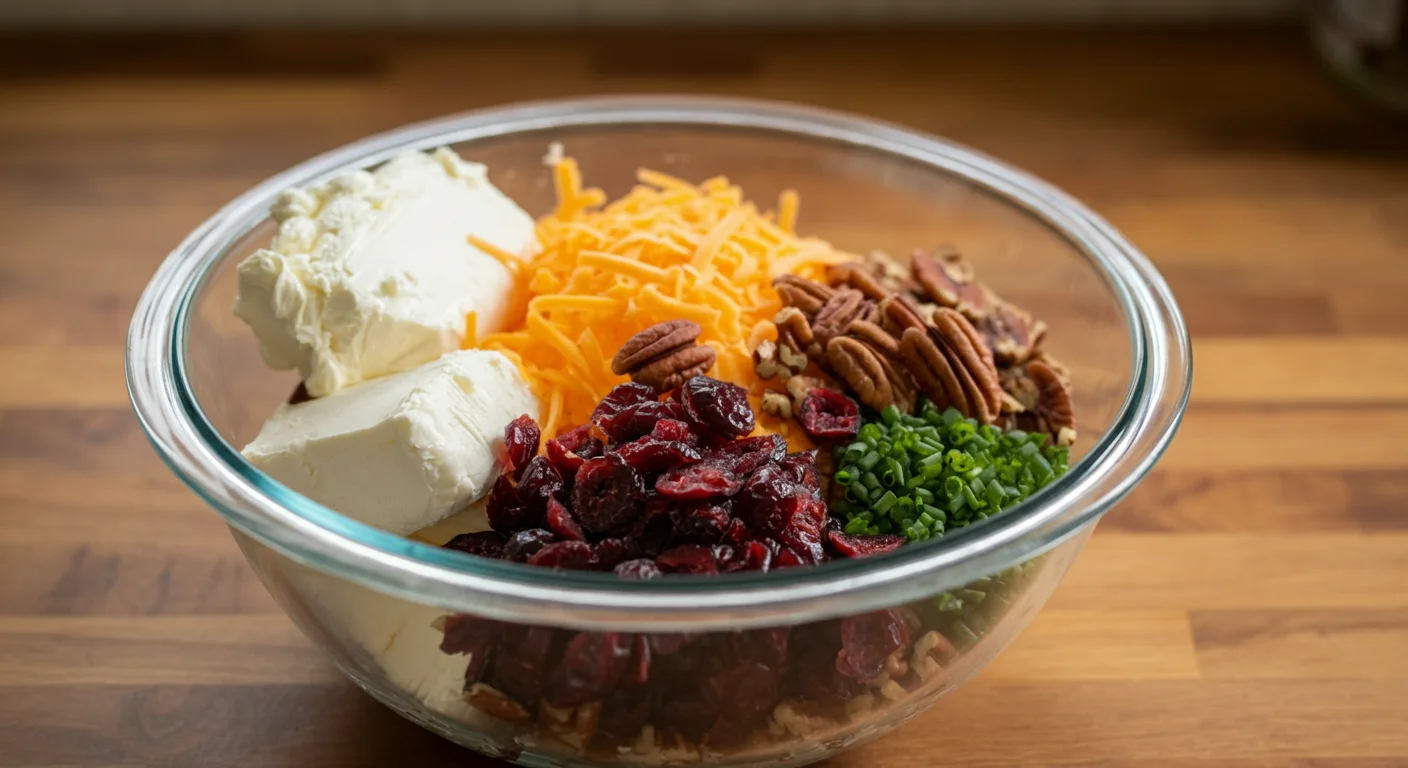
x,y
739,669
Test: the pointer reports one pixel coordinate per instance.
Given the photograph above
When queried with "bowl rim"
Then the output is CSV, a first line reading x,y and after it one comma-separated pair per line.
x,y
317,537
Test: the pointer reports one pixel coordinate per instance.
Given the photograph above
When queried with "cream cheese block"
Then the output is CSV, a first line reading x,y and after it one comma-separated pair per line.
x,y
399,636
401,452
372,273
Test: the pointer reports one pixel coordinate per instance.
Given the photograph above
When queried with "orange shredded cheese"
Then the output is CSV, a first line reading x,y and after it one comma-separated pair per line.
x,y
666,250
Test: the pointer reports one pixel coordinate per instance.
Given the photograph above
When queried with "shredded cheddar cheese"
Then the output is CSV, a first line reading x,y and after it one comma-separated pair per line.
x,y
666,250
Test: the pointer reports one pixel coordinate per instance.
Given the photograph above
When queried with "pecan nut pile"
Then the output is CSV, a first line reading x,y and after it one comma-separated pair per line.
x,y
664,355
893,332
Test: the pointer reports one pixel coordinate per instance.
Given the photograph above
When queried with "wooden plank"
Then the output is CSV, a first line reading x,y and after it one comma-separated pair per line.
x,y
1296,370
267,649
1194,571
151,577
1250,439
1099,645
1340,644
40,377
1110,723
162,650
309,726
1116,723
1286,501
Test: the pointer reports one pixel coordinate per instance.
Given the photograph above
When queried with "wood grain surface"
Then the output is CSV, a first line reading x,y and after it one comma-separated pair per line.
x,y
1248,604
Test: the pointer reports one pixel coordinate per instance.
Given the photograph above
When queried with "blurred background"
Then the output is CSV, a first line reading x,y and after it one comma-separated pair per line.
x,y
1245,605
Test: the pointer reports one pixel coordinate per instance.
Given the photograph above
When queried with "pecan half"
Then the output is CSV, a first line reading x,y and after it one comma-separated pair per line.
x,y
664,355
923,355
905,391
801,293
857,276
949,280
1012,333
875,336
862,370
843,308
669,372
1053,413
974,360
1018,386
902,314
656,341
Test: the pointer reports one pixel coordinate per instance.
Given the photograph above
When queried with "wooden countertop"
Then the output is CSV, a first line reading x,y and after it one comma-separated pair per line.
x,y
1248,605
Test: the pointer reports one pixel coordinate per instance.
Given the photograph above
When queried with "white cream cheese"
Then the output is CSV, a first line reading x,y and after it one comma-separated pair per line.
x,y
401,452
372,273
399,636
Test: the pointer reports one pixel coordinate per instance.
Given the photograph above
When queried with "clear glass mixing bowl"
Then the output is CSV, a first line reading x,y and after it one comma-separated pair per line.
x,y
379,604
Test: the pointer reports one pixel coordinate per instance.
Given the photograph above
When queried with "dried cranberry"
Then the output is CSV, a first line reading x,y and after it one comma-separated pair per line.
x,y
688,712
799,521
567,555
745,456
609,494
472,636
718,405
639,420
744,696
651,531
539,483
610,552
521,438
811,673
464,633
700,523
827,415
649,455
855,545
761,493
670,430
751,556
697,482
522,659
766,646
525,544
801,469
571,448
624,714
591,664
640,568
483,543
867,640
723,555
690,558
622,396
736,533
507,512
638,673
786,558
667,643
559,520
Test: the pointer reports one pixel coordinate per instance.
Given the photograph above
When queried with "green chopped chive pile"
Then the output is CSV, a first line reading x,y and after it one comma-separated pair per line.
x,y
922,475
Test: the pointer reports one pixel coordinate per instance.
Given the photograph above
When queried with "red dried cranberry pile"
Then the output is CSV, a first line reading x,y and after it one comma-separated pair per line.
x,y
715,689
677,487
